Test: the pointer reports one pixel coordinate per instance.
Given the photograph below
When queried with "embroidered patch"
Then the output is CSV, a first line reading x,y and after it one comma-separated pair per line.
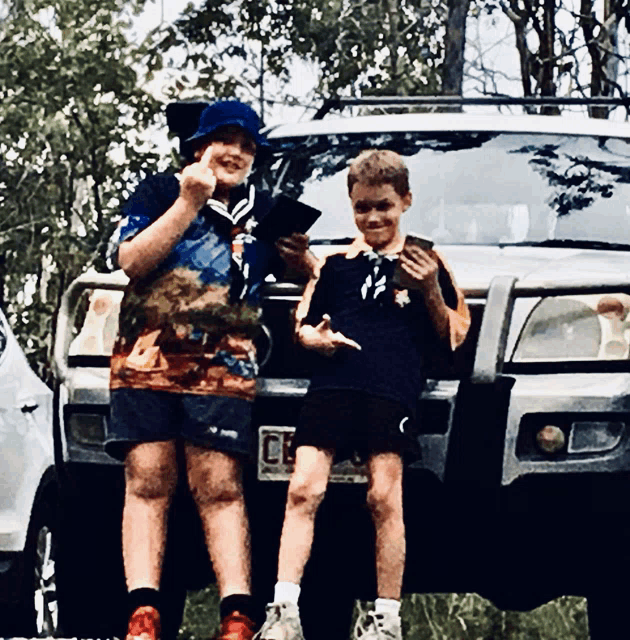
x,y
401,297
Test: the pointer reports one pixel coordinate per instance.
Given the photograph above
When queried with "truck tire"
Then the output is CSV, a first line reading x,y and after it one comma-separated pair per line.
x,y
326,609
341,568
35,613
607,592
92,592
607,611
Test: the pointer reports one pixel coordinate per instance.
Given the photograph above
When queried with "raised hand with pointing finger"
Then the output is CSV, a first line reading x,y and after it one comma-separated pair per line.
x,y
198,181
323,339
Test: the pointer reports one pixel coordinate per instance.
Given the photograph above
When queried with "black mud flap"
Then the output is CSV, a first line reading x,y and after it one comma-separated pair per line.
x,y
472,484
475,456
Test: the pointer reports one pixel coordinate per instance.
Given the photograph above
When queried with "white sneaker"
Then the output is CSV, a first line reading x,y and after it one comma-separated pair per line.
x,y
282,623
377,626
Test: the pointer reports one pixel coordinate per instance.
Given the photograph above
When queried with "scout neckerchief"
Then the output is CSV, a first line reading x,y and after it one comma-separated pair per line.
x,y
240,215
376,281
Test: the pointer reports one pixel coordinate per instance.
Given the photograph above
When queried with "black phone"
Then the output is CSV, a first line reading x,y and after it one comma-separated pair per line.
x,y
285,217
423,242
416,239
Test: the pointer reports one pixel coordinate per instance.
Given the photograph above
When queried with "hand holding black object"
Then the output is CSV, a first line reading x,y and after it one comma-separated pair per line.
x,y
294,251
420,269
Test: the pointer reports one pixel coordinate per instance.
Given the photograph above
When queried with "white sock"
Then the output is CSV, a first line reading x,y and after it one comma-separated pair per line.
x,y
286,592
387,605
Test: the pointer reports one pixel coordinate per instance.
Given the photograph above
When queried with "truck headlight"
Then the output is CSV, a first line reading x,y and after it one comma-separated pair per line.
x,y
580,327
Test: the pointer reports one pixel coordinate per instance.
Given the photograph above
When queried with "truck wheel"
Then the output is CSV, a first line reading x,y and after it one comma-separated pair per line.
x,y
607,611
605,580
341,568
35,613
325,611
172,612
90,579
91,582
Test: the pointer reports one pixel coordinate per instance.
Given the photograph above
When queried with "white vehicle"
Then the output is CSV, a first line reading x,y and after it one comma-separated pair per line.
x,y
523,490
28,496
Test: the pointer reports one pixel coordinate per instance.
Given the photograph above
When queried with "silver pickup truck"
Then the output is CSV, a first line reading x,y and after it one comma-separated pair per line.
x,y
522,490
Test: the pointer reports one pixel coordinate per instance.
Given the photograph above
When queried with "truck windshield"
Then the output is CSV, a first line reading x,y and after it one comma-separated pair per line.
x,y
471,187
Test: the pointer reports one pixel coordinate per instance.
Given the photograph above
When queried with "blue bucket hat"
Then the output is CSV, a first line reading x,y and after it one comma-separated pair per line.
x,y
228,112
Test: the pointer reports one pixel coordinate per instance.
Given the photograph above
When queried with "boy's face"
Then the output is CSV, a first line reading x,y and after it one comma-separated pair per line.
x,y
233,152
377,210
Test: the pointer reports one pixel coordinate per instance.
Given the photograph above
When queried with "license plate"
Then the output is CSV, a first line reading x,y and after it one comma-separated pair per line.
x,y
275,461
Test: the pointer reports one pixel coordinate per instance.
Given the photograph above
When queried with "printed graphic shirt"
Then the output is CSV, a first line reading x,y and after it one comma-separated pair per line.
x,y
188,326
391,324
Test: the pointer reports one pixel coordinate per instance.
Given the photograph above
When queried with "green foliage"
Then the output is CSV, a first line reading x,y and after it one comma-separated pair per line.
x,y
439,616
70,109
201,615
247,47
372,47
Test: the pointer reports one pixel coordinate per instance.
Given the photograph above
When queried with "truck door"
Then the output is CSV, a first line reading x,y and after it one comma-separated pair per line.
x,y
25,439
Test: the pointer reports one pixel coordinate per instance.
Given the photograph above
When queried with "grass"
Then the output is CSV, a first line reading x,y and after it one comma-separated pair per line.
x,y
445,616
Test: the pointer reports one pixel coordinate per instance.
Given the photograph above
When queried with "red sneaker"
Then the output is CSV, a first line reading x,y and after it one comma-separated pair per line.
x,y
236,626
144,624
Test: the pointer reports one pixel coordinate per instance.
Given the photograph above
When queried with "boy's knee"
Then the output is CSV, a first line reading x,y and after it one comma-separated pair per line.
x,y
383,501
305,492
214,478
151,471
150,483
217,493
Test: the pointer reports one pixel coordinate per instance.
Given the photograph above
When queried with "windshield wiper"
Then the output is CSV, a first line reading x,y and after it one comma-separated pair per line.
x,y
571,244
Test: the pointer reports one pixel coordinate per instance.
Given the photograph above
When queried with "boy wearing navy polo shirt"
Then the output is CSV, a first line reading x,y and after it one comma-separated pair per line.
x,y
362,399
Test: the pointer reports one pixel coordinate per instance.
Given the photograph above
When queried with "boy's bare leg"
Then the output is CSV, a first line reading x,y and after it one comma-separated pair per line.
x,y
306,491
150,480
216,484
385,502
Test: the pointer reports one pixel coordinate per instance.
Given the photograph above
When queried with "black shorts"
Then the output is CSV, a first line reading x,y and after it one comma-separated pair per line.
x,y
143,415
356,424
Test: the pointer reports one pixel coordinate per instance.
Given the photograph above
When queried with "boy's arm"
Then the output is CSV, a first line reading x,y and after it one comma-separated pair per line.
x,y
323,339
312,322
300,263
313,304
144,252
451,321
458,312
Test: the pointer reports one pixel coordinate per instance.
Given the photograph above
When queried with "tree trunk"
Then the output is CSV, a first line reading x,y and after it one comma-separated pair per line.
x,y
393,44
520,20
601,49
612,17
261,82
454,43
604,60
547,56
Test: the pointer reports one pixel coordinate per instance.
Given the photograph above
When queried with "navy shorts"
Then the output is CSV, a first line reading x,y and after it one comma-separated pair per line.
x,y
356,424
214,422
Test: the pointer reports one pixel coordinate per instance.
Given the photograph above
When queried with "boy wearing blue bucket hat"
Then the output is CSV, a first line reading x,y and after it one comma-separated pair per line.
x,y
183,369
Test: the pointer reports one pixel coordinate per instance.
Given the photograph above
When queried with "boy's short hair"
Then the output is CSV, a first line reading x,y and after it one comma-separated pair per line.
x,y
379,166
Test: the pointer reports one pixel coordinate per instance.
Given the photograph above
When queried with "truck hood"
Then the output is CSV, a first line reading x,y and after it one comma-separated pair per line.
x,y
476,266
